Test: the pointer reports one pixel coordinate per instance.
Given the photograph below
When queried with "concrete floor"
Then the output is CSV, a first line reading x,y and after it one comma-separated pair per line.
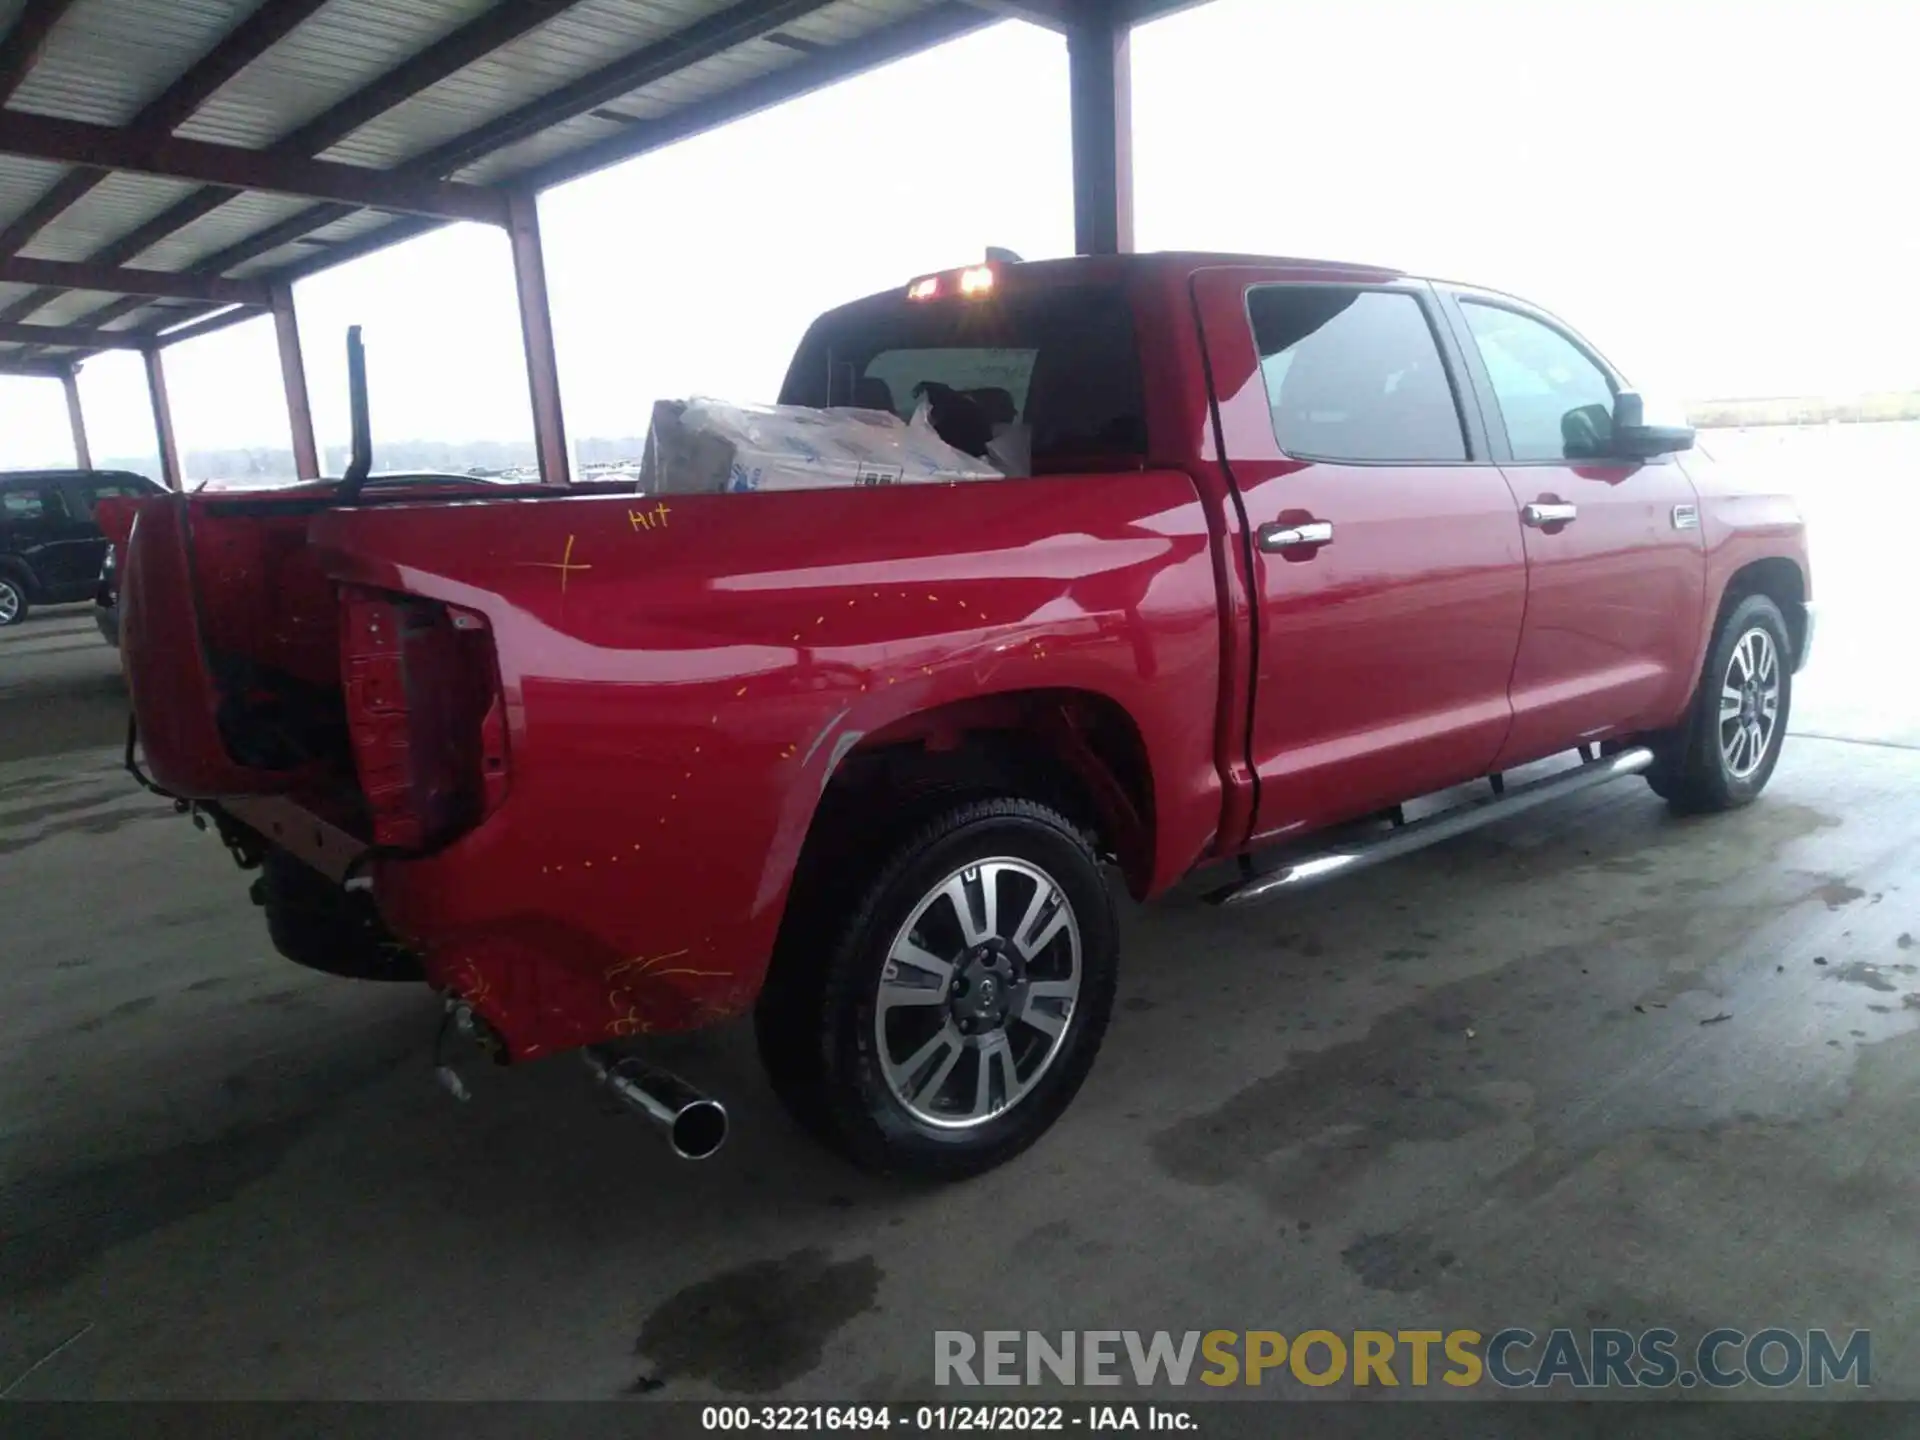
x,y
1595,1066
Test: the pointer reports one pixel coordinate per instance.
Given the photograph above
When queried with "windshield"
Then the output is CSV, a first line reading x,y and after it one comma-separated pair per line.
x,y
1062,362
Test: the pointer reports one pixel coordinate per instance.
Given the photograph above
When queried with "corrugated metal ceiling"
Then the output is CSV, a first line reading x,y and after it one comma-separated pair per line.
x,y
315,245
577,42
346,46
24,181
110,210
239,217
106,59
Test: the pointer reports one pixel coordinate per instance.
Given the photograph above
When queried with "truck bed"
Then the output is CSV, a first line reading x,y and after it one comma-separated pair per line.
x,y
583,737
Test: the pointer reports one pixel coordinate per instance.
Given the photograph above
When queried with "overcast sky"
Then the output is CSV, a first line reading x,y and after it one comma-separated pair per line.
x,y
1720,196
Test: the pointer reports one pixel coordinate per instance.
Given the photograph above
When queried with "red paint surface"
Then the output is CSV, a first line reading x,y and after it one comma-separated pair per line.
x,y
678,694
1614,605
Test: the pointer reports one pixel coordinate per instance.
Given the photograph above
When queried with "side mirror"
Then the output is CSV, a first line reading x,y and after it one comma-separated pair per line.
x,y
1634,439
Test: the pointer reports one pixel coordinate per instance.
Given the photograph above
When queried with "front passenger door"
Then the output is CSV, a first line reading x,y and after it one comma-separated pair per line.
x,y
1616,565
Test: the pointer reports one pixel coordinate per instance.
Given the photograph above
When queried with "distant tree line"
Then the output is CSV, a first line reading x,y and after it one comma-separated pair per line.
x,y
1853,410
267,465
457,457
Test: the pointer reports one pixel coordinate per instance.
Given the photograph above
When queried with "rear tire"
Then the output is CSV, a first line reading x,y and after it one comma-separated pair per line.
x,y
13,599
1722,755
920,1043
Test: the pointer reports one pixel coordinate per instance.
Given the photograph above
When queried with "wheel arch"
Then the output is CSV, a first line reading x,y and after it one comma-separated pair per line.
x,y
18,569
19,577
1693,770
1782,581
1077,751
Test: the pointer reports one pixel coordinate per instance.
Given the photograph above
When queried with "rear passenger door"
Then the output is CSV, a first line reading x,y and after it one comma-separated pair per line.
x,y
45,535
1616,563
1387,556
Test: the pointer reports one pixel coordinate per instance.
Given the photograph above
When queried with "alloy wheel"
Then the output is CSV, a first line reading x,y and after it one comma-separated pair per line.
x,y
977,993
1749,703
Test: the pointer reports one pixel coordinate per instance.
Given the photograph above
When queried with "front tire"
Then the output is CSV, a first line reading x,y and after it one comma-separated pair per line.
x,y
1723,754
953,1015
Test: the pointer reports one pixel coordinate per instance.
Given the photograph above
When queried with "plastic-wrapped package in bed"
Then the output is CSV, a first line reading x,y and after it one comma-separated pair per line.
x,y
704,446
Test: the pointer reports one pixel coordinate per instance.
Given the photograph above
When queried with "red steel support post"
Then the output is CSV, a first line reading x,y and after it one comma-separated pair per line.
x,y
536,330
162,420
82,454
1100,79
293,378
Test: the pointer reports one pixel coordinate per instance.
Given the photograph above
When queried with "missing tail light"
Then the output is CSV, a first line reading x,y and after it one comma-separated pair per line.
x,y
425,711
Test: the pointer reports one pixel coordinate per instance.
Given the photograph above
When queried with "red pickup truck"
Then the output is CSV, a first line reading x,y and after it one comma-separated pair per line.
x,y
1303,543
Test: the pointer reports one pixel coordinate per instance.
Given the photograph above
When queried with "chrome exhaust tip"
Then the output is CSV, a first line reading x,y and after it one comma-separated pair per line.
x,y
694,1123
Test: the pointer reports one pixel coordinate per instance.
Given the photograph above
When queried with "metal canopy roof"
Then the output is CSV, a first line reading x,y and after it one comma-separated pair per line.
x,y
167,165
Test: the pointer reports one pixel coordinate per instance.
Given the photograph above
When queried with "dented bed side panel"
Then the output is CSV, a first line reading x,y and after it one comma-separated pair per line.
x,y
681,677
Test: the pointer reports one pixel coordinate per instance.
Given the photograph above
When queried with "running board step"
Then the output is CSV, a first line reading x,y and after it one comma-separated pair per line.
x,y
1347,860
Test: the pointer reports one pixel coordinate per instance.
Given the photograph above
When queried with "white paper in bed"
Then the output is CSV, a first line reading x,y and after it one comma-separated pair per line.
x,y
702,446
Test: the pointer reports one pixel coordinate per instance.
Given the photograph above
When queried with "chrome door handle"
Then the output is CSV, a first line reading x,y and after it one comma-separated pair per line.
x,y
1538,514
1314,533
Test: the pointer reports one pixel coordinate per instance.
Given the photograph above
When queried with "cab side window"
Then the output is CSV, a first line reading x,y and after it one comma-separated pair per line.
x,y
1556,402
1354,375
22,503
91,492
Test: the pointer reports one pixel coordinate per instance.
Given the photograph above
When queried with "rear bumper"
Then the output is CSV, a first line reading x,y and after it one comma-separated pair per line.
x,y
555,955
107,617
544,976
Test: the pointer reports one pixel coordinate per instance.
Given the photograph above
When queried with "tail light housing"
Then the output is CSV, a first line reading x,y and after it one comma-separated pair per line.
x,y
426,716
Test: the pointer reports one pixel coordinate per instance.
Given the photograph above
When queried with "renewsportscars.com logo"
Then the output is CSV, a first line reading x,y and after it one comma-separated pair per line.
x,y
1512,1358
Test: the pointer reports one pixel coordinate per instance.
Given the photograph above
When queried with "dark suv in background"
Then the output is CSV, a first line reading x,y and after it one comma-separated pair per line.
x,y
51,548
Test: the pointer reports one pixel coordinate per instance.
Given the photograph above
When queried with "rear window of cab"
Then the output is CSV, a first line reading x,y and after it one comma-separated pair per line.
x,y
1062,361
